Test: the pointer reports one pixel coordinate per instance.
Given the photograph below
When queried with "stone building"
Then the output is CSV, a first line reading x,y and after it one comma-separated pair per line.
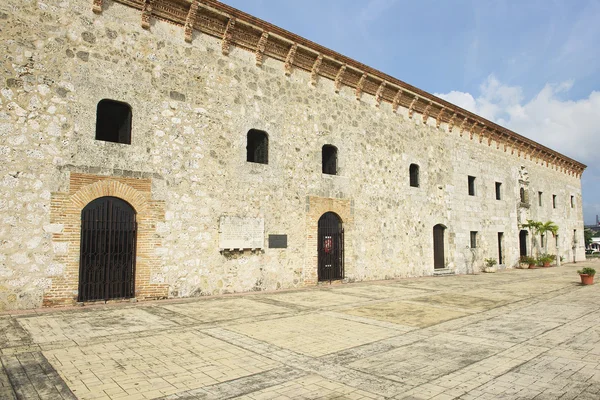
x,y
173,148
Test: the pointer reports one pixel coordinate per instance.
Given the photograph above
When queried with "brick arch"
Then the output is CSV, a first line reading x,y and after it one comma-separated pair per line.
x,y
110,188
317,206
65,217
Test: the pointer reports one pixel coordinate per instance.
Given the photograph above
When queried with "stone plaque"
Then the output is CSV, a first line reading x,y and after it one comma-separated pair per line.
x,y
237,233
277,241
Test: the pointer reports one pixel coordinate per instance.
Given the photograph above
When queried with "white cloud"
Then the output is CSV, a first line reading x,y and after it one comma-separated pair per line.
x,y
570,127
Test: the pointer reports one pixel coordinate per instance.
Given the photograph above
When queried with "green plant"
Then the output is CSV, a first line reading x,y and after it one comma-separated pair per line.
x,y
490,262
528,260
545,258
548,226
587,271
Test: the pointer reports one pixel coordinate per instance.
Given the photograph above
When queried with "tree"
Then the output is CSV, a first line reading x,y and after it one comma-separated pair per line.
x,y
545,227
588,234
534,228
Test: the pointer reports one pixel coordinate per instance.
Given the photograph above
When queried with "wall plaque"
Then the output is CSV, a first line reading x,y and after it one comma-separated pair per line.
x,y
237,233
277,241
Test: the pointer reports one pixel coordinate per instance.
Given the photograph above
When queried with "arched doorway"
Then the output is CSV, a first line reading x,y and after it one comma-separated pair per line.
x,y
330,247
438,246
107,252
523,236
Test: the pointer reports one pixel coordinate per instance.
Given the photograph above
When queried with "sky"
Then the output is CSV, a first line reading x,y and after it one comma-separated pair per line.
x,y
532,66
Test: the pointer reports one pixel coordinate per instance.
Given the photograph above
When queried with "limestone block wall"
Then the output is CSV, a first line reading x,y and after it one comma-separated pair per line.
x,y
192,108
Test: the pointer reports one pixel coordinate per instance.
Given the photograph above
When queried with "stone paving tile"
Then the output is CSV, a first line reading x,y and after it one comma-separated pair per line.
x,y
154,366
320,299
517,334
420,362
460,301
508,328
241,386
32,377
380,291
212,310
310,387
93,323
12,333
313,334
405,313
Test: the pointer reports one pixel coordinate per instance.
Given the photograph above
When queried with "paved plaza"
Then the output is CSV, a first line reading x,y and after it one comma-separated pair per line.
x,y
518,334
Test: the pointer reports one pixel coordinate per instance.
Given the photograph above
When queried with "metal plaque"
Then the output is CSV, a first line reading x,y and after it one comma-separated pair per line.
x,y
278,241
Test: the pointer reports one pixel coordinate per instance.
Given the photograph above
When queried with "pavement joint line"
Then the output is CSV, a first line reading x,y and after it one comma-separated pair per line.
x,y
555,347
349,376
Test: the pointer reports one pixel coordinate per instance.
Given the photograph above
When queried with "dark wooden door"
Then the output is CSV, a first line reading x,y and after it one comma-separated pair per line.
x,y
107,254
330,247
523,243
438,246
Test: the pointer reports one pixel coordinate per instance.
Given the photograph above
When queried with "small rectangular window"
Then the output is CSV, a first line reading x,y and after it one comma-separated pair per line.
x,y
542,237
414,175
113,121
473,239
471,186
553,201
257,147
329,159
572,201
498,191
540,199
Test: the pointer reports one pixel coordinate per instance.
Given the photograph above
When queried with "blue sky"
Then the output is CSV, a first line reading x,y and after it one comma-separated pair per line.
x,y
532,66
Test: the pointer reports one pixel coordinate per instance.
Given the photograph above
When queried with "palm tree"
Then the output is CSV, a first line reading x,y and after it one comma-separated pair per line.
x,y
533,227
548,226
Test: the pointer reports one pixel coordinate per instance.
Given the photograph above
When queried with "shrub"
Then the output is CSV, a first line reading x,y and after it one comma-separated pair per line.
x,y
587,271
528,260
490,262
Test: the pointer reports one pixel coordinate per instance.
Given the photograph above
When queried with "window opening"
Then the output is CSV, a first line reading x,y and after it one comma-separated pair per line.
x,y
113,121
498,190
473,239
257,147
414,175
471,186
329,159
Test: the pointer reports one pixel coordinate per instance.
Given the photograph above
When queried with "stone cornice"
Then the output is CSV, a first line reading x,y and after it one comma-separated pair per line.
x,y
237,28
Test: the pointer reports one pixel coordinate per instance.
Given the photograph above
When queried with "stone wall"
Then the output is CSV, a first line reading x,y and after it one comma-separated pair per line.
x,y
192,107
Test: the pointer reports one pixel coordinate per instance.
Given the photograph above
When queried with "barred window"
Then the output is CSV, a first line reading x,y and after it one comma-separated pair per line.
x,y
257,147
113,121
414,175
329,158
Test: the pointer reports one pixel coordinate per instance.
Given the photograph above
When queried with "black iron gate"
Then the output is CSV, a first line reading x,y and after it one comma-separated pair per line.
x,y
438,247
107,258
331,247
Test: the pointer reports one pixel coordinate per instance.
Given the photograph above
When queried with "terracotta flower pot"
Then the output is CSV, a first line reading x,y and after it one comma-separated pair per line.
x,y
546,264
587,279
532,266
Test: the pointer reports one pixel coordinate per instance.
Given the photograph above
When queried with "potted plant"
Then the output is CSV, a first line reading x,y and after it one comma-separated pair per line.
x,y
545,260
490,265
530,261
587,275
